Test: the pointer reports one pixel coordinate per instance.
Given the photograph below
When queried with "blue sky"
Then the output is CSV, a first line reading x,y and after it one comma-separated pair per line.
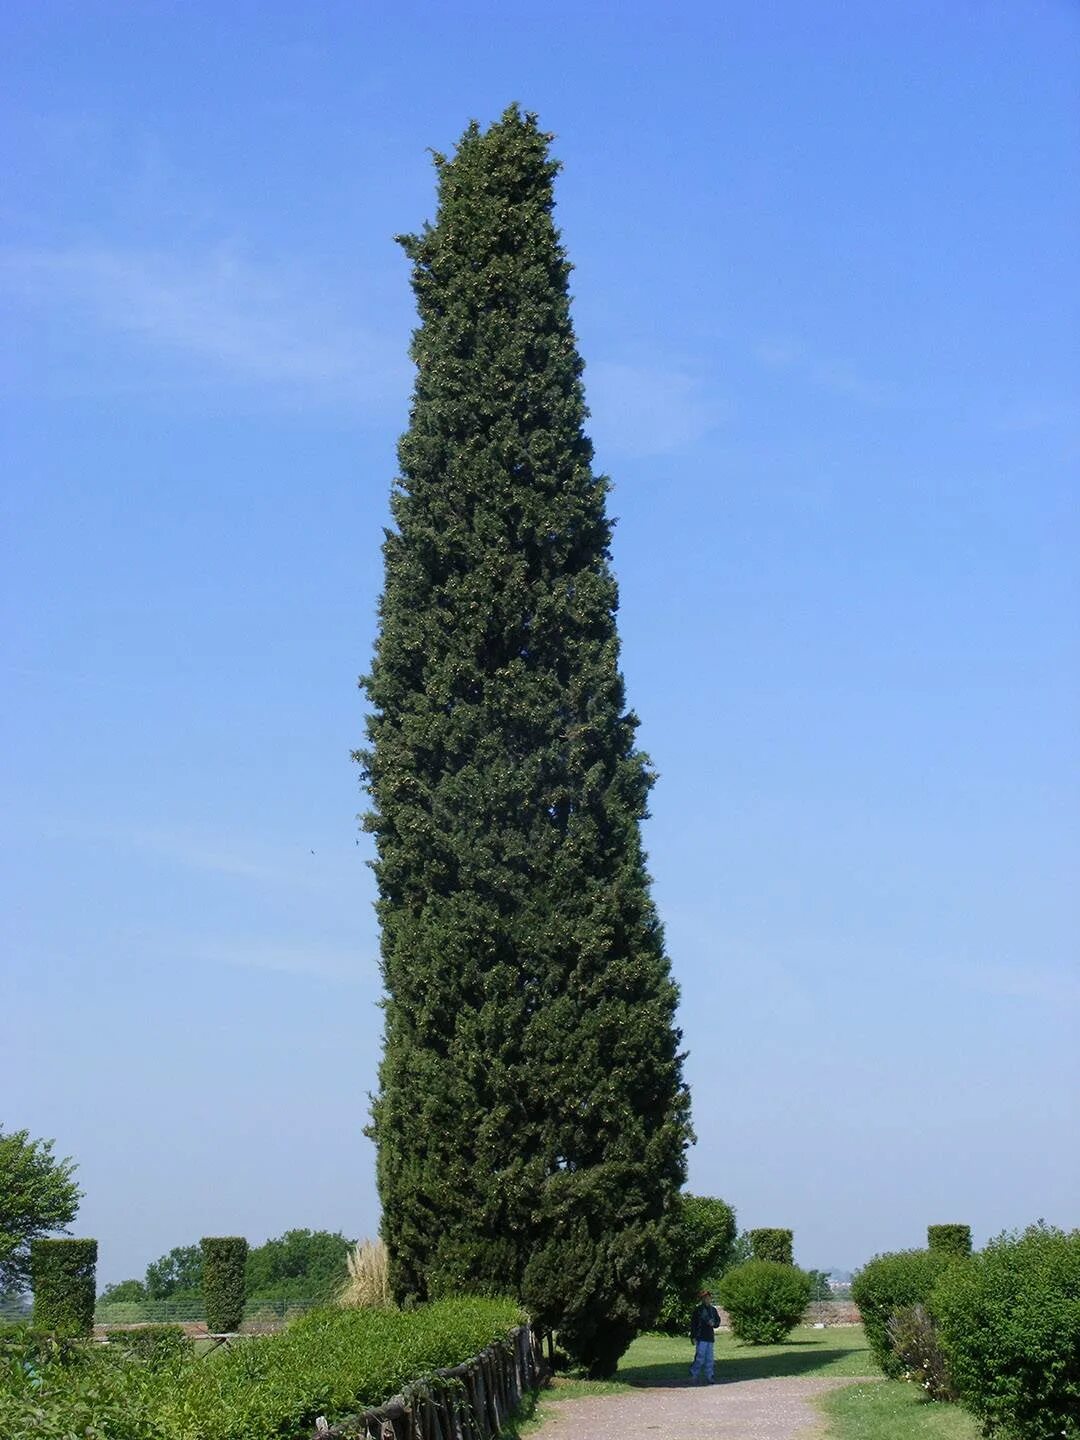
x,y
826,290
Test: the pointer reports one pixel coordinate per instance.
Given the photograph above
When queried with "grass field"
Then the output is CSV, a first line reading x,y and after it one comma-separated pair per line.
x,y
665,1359
883,1410
892,1410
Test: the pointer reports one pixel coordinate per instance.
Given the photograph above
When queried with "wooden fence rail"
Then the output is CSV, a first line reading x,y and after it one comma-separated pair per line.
x,y
472,1401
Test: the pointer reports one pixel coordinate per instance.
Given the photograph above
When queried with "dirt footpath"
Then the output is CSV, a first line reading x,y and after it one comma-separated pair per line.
x,y
780,1409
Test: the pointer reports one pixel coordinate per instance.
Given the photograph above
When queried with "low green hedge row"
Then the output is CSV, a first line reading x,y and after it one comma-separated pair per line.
x,y
329,1362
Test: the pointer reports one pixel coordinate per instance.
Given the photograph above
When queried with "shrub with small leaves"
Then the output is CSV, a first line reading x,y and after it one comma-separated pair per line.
x,y
775,1245
916,1344
952,1240
152,1344
62,1275
765,1300
888,1284
1009,1321
224,1285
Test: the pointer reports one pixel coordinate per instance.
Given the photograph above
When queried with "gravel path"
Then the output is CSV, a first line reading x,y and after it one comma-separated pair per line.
x,y
778,1409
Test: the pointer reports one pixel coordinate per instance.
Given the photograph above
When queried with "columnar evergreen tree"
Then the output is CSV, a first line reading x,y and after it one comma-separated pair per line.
x,y
532,1119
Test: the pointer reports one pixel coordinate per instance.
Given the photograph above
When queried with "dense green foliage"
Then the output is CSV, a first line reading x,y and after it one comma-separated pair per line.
x,y
331,1362
1009,1321
702,1237
765,1300
820,1289
37,1194
299,1265
155,1344
952,1240
531,1119
889,1283
775,1245
915,1340
62,1276
123,1292
224,1288
180,1272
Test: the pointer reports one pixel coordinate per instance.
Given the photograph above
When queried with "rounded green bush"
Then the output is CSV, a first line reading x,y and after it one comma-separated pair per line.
x,y
888,1284
765,1300
1009,1324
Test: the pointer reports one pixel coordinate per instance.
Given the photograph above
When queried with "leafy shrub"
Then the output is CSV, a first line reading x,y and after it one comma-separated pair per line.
x,y
330,1362
765,1300
775,1245
62,1274
890,1283
55,1388
154,1344
1009,1321
914,1340
954,1240
702,1237
224,1284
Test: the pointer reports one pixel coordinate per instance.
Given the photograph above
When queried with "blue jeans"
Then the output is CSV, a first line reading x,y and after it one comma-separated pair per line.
x,y
703,1359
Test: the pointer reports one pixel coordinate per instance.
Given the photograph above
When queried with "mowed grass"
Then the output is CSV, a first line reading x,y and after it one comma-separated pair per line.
x,y
664,1360
893,1410
879,1410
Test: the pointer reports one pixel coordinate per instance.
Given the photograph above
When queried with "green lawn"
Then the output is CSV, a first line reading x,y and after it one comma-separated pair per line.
x,y
893,1410
665,1360
882,1410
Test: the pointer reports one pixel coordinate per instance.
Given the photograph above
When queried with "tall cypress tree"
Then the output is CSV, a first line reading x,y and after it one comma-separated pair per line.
x,y
532,1119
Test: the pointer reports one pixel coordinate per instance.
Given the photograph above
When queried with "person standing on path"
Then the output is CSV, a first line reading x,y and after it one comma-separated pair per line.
x,y
703,1333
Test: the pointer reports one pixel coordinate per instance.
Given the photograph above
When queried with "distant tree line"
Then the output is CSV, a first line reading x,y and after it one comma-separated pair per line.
x,y
299,1265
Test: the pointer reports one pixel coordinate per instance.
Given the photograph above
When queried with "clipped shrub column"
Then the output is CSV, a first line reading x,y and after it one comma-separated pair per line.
x,y
774,1245
224,1264
952,1240
62,1273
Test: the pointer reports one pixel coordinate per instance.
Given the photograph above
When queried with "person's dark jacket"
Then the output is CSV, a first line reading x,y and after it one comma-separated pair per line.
x,y
704,1322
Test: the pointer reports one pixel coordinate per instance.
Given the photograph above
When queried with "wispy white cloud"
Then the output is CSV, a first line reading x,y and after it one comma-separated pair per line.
x,y
309,865
643,410
326,961
238,320
837,376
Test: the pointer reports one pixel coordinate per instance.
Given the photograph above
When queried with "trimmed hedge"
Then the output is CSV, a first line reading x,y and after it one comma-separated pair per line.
x,y
888,1284
62,1274
1009,1324
330,1362
774,1245
224,1281
765,1300
954,1240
